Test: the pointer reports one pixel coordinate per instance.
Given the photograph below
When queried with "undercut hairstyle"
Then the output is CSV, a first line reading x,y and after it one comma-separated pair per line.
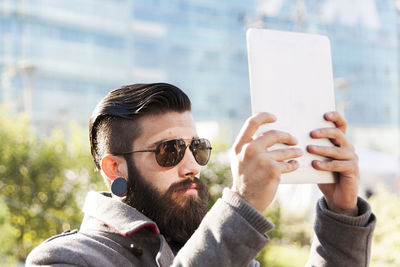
x,y
113,125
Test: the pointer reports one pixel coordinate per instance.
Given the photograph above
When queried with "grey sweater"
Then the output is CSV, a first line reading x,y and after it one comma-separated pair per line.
x,y
231,234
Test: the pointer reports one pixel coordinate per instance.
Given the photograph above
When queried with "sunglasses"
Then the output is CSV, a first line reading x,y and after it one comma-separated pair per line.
x,y
169,153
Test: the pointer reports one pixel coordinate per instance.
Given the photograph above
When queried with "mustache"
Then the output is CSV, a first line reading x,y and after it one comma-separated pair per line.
x,y
185,184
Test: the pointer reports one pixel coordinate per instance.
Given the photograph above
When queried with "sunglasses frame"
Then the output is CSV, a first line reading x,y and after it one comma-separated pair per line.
x,y
179,156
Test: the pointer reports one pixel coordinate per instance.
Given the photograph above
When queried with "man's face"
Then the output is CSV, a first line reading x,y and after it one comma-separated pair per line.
x,y
156,128
173,197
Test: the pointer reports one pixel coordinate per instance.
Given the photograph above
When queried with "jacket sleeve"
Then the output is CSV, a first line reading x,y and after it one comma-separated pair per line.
x,y
342,240
231,234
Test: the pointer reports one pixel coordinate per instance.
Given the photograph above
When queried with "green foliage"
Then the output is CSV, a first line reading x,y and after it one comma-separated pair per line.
x,y
6,233
217,174
386,242
40,180
284,256
295,229
290,239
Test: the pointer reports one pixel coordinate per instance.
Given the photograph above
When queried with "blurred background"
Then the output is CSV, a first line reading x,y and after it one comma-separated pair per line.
x,y
58,58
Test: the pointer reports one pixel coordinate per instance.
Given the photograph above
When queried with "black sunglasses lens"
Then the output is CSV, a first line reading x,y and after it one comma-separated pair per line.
x,y
201,149
170,153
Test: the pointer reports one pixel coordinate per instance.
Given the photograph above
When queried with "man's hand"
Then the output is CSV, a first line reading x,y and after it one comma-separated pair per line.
x,y
256,171
341,197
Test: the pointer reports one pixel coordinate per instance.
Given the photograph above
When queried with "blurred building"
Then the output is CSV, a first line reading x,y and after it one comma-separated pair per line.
x,y
58,58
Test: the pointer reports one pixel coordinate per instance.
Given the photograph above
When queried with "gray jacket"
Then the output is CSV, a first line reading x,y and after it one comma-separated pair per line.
x,y
231,234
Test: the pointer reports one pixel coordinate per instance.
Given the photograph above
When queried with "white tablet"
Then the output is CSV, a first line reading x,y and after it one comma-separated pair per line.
x,y
291,77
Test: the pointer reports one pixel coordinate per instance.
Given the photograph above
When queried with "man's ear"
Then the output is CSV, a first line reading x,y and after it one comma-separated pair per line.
x,y
114,166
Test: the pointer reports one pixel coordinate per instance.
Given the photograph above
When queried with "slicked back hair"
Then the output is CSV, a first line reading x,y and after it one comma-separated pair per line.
x,y
113,125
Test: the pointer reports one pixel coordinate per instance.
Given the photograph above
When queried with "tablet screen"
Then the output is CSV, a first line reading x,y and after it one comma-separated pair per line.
x,y
291,77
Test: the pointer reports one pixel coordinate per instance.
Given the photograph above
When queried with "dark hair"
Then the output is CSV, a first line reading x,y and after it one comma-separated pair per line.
x,y
112,127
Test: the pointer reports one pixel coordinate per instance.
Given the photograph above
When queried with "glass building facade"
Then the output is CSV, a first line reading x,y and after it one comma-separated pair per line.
x,y
58,58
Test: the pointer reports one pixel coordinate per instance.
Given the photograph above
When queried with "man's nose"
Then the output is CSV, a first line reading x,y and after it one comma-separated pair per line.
x,y
188,167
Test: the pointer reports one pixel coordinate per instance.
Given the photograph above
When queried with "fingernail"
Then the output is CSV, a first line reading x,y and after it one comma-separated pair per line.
x,y
295,163
316,132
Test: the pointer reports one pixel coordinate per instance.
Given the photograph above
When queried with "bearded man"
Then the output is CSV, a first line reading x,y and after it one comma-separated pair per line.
x,y
144,142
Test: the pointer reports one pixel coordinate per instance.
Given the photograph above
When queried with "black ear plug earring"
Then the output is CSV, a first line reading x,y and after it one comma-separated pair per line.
x,y
119,186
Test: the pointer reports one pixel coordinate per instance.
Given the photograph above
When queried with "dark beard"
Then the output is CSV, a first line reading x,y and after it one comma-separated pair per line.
x,y
177,216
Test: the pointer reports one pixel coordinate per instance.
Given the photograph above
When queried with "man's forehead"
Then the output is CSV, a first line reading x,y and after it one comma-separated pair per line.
x,y
169,125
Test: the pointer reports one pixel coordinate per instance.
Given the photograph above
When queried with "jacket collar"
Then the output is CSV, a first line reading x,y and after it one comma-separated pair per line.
x,y
119,216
